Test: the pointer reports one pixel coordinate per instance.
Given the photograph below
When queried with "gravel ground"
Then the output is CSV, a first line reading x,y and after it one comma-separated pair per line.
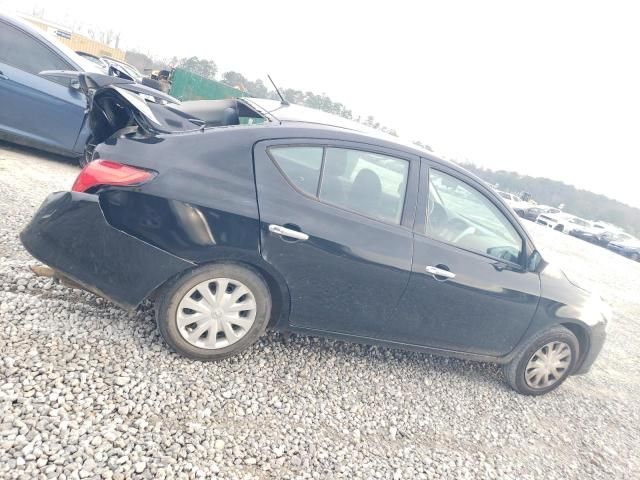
x,y
88,391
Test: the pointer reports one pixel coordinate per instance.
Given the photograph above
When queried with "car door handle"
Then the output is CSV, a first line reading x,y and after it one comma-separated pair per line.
x,y
287,232
3,76
439,272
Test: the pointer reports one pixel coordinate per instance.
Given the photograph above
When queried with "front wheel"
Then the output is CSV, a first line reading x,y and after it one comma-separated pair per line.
x,y
544,362
213,312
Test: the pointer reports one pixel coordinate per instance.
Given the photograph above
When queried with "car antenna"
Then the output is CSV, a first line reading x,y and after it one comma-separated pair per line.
x,y
282,99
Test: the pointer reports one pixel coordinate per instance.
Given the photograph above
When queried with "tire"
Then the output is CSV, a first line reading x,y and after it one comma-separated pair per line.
x,y
189,288
559,228
635,256
87,156
514,371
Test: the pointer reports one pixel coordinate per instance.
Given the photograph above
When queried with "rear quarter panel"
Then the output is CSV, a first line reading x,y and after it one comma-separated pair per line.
x,y
201,206
202,197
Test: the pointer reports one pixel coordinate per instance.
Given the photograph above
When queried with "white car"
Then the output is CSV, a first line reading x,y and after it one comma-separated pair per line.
x,y
515,202
564,222
548,209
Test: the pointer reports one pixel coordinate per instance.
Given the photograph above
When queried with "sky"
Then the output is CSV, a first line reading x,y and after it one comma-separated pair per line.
x,y
546,88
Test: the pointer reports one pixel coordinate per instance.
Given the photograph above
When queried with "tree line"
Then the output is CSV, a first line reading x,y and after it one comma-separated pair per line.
x,y
582,203
257,88
546,191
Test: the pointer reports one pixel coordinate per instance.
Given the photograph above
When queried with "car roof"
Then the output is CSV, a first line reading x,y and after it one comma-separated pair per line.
x,y
20,23
305,117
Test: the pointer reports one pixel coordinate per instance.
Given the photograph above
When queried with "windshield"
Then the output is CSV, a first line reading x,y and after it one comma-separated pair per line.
x,y
126,68
578,221
623,237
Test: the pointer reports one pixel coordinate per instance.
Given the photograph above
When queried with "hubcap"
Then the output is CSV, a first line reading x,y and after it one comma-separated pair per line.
x,y
216,313
548,365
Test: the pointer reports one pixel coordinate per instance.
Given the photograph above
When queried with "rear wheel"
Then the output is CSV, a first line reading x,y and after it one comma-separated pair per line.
x,y
544,362
213,312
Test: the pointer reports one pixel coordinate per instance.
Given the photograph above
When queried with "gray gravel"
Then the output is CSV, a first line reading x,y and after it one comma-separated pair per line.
x,y
88,391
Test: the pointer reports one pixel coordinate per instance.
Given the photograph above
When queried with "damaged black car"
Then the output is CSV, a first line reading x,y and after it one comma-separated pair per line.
x,y
237,215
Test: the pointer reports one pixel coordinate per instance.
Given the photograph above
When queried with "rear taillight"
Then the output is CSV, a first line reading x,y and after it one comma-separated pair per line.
x,y
107,172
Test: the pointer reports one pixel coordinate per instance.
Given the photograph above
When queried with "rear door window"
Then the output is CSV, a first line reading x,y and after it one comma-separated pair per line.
x,y
300,165
368,183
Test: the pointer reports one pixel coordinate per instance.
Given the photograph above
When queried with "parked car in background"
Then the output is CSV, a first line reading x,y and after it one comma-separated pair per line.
x,y
312,223
551,220
577,224
548,209
584,230
43,111
629,248
532,212
94,59
563,222
519,206
603,239
43,104
119,68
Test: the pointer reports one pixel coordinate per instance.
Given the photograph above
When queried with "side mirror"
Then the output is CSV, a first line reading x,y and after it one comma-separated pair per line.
x,y
507,253
535,261
72,75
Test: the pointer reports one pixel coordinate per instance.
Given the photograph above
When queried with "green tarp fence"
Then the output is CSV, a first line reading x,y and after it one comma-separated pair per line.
x,y
186,85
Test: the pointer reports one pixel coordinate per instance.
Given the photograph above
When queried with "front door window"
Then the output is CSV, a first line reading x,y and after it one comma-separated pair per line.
x,y
460,215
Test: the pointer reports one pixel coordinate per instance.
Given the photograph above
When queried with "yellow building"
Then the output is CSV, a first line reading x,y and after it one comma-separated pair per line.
x,y
76,41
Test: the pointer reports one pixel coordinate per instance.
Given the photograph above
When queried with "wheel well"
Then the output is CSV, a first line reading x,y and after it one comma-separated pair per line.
x,y
279,303
583,340
278,300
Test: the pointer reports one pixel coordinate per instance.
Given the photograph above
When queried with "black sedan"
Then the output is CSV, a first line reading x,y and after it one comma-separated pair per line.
x,y
298,220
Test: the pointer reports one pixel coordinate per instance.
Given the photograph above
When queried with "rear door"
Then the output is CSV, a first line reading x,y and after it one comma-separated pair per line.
x,y
42,111
336,223
469,288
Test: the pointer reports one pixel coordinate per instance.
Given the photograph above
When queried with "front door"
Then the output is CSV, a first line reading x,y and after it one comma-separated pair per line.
x,y
336,222
469,288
